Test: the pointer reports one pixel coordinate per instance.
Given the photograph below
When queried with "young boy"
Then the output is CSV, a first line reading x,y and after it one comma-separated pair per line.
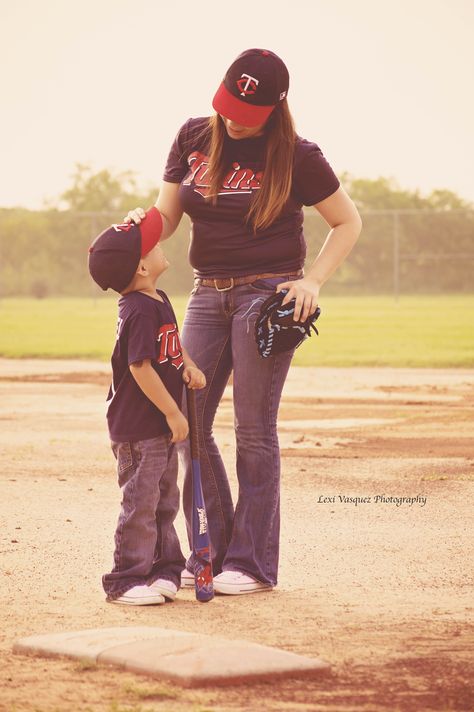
x,y
144,418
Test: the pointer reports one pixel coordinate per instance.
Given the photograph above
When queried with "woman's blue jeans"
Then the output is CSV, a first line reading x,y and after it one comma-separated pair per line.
x,y
218,332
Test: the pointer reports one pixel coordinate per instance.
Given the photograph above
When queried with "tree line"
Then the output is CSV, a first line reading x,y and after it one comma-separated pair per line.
x,y
430,237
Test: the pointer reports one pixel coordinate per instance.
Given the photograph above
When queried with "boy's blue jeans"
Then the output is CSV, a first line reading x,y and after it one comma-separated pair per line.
x,y
146,543
218,332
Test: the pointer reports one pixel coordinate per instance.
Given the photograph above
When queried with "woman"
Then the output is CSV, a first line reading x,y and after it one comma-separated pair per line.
x,y
243,176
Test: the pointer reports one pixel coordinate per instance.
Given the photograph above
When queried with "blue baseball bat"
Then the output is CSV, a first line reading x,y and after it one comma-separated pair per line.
x,y
201,545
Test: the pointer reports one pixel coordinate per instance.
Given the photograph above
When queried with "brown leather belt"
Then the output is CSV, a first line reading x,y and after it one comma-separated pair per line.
x,y
223,284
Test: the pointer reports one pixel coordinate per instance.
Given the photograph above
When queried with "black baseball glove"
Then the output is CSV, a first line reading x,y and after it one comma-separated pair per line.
x,y
275,329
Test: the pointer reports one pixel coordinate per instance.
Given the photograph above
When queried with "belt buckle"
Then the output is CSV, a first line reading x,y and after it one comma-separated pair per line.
x,y
224,289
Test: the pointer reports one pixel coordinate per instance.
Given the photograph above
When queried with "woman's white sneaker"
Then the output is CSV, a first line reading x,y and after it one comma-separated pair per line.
x,y
167,588
234,583
140,596
187,579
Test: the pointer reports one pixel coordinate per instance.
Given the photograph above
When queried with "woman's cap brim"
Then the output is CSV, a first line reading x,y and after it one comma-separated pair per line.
x,y
248,115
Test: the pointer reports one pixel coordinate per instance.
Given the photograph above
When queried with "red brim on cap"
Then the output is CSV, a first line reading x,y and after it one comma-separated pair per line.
x,y
151,228
248,115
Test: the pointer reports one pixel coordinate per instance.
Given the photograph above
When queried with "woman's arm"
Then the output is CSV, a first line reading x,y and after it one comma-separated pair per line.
x,y
168,204
343,217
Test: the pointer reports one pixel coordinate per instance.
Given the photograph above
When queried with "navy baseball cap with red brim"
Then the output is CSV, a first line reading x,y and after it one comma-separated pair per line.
x,y
253,85
115,254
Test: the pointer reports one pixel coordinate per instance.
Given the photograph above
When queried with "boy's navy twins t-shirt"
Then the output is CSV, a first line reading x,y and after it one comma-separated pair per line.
x,y
146,329
222,245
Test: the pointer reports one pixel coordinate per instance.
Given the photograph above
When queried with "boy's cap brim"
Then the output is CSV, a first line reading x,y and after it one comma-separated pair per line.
x,y
151,228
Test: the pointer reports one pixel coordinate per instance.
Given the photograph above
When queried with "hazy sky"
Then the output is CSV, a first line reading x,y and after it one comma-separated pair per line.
x,y
384,87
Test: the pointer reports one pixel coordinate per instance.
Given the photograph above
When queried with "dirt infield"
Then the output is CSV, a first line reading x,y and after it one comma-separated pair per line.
x,y
376,571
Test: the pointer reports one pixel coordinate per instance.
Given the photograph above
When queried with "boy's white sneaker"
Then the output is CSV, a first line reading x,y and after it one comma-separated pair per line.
x,y
167,588
187,579
140,596
235,582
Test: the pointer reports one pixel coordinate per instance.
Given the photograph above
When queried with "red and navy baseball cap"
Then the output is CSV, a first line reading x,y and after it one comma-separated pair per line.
x,y
253,85
115,254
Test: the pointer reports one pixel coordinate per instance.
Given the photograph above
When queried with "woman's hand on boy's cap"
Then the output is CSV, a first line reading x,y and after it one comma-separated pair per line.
x,y
136,215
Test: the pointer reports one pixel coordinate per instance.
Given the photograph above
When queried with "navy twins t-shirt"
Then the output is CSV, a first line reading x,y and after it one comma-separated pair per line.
x,y
222,244
146,329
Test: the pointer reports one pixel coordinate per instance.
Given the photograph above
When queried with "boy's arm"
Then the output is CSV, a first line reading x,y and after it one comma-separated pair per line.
x,y
155,390
192,374
187,360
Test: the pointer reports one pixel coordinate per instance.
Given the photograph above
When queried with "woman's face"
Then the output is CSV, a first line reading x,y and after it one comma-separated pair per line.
x,y
236,131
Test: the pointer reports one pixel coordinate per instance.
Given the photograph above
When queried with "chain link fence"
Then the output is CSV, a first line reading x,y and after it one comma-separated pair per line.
x,y
398,252
404,251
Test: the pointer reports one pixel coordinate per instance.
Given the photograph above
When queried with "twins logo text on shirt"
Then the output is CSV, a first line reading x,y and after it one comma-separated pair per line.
x,y
237,180
170,345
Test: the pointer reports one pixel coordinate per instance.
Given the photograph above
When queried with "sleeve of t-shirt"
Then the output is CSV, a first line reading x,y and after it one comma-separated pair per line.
x,y
314,179
142,332
177,164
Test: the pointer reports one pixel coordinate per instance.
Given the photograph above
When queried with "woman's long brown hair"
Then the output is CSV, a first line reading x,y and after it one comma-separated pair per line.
x,y
268,201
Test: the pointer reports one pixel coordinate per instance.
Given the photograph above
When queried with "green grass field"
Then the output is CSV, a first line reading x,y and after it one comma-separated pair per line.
x,y
354,331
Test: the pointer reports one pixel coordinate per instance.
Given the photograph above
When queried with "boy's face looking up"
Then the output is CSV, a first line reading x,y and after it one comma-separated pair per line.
x,y
149,269
155,262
